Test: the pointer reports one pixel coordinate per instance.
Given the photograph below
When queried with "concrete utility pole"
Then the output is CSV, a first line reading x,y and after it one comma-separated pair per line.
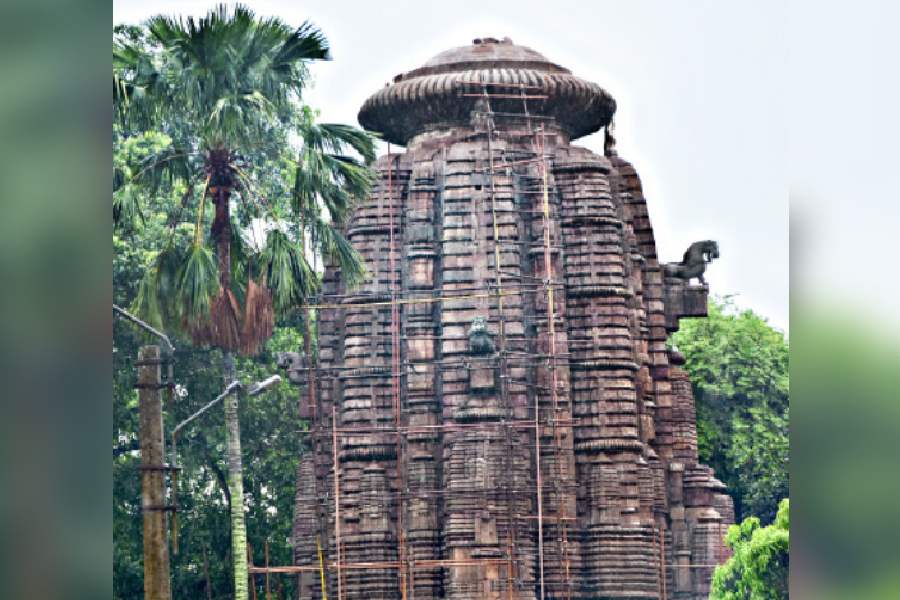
x,y
153,477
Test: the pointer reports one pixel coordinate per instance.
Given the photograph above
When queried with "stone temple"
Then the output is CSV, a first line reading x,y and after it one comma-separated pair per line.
x,y
494,412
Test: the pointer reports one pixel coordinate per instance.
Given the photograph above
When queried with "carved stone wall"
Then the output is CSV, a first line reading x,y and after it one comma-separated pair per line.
x,y
448,504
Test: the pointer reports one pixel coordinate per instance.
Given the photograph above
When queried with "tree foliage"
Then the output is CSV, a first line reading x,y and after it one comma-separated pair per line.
x,y
758,569
269,431
213,107
227,193
738,365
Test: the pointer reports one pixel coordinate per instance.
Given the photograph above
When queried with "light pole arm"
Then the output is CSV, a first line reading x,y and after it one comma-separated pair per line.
x,y
254,390
130,317
234,385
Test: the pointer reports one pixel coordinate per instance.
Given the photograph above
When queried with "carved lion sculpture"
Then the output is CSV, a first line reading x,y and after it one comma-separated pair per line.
x,y
693,264
480,341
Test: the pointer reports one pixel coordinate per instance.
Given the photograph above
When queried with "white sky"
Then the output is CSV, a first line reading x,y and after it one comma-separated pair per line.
x,y
700,88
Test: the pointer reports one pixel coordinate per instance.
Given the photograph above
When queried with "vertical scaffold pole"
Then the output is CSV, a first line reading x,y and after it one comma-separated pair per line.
x,y
662,561
551,334
268,588
337,500
395,377
321,568
501,331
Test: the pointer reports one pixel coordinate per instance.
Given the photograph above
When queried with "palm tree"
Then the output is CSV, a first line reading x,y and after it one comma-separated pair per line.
x,y
226,90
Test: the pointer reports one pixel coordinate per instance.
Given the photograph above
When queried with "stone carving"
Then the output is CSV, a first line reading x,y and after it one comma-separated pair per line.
x,y
627,510
693,264
288,360
293,363
609,140
480,341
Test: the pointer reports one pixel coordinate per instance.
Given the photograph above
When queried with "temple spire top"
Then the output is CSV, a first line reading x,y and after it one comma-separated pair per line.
x,y
442,92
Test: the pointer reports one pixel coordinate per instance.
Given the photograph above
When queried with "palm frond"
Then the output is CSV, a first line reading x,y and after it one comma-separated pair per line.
x,y
290,277
342,254
138,85
350,182
166,165
353,269
305,43
327,173
232,75
146,302
154,301
197,285
167,266
127,213
339,136
308,182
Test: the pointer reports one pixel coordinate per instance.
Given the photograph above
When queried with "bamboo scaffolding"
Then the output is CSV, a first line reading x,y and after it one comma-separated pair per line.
x,y
549,418
530,96
418,565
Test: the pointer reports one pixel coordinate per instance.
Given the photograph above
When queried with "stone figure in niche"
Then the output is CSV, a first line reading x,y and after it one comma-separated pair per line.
x,y
481,116
693,264
480,341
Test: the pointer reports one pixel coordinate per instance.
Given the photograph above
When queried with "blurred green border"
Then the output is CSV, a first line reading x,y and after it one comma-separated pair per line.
x,y
55,258
845,463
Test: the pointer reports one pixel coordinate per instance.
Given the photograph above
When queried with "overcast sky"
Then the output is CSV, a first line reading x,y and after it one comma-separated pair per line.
x,y
700,88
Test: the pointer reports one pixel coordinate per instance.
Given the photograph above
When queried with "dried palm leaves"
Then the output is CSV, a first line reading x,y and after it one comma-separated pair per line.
x,y
259,317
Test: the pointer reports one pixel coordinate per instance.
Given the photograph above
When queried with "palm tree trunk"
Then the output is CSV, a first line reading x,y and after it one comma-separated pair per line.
x,y
235,484
222,231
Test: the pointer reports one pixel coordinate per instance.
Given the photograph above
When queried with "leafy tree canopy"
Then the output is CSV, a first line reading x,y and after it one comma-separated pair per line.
x,y
228,193
269,428
211,109
738,365
758,569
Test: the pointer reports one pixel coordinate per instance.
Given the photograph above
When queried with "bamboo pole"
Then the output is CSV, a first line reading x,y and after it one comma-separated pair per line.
x,y
662,560
551,360
337,500
321,567
268,589
251,576
395,376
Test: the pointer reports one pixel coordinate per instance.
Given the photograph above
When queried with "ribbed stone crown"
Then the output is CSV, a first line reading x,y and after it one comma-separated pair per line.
x,y
443,92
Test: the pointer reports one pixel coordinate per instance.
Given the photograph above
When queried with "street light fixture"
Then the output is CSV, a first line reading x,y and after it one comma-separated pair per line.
x,y
235,471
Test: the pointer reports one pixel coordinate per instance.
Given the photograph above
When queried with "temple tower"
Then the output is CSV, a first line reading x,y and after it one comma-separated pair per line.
x,y
495,412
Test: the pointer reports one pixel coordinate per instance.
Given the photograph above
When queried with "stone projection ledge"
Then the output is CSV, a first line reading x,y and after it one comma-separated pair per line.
x,y
494,412
684,300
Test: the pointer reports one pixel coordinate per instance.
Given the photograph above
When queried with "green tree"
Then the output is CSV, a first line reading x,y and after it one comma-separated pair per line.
x,y
738,365
758,569
271,447
224,94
